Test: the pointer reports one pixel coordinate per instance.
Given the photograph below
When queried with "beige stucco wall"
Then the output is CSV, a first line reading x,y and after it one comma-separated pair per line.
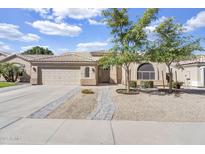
x,y
191,75
34,75
159,69
93,76
115,74
2,57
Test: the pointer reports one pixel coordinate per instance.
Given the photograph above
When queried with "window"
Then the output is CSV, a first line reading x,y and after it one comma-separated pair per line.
x,y
87,72
145,72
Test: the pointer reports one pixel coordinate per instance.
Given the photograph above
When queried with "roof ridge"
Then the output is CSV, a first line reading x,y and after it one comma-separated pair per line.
x,y
70,54
33,56
90,58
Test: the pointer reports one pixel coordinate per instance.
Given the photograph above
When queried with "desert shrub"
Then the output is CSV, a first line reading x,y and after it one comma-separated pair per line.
x,y
147,84
133,84
87,91
177,85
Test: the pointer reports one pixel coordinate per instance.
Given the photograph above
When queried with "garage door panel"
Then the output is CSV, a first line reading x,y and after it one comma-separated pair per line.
x,y
57,76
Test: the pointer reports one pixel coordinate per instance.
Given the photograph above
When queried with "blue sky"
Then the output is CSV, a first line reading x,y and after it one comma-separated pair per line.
x,y
63,30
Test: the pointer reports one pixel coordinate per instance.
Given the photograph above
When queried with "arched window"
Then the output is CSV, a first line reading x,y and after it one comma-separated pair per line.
x,y
145,72
87,72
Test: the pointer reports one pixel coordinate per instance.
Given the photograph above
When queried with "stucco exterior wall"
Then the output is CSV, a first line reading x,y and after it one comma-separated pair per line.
x,y
2,57
113,75
34,75
93,76
158,68
191,75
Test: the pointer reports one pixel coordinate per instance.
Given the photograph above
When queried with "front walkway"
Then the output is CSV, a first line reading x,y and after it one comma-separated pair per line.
x,y
61,131
105,106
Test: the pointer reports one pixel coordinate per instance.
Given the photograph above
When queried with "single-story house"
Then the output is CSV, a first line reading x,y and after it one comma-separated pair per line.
x,y
71,68
82,68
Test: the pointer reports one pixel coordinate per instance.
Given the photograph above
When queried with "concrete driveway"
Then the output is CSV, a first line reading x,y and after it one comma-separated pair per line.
x,y
25,101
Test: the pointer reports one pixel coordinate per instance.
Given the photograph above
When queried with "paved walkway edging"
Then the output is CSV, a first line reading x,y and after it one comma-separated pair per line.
x,y
105,107
43,112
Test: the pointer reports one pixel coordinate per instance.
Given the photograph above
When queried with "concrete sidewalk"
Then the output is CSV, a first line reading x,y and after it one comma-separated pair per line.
x,y
60,131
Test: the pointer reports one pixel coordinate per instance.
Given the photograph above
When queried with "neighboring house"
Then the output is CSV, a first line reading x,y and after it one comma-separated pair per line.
x,y
82,68
192,73
3,55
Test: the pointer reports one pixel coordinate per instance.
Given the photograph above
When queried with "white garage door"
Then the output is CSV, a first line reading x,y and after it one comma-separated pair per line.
x,y
60,76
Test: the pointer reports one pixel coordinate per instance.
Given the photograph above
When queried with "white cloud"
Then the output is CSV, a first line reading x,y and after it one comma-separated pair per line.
x,y
80,13
196,22
24,48
11,32
151,36
43,12
91,46
63,50
51,28
94,22
4,47
155,23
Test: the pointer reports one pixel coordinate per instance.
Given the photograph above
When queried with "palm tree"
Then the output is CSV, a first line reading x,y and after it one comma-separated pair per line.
x,y
11,71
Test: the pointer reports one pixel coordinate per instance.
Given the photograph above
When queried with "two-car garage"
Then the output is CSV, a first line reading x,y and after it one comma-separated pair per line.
x,y
60,76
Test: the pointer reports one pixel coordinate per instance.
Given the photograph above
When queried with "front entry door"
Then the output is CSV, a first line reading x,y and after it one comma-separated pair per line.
x,y
104,75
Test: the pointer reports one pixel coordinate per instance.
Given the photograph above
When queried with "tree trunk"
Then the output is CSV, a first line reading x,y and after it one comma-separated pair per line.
x,y
16,77
170,78
128,79
163,80
175,76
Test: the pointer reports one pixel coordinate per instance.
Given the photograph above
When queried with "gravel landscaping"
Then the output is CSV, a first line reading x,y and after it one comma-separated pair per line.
x,y
107,104
78,107
184,107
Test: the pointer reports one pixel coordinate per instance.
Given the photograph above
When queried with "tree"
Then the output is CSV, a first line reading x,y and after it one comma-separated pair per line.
x,y
171,45
11,71
38,51
129,38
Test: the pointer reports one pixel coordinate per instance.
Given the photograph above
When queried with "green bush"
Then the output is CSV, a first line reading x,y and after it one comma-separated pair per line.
x,y
87,91
133,84
147,84
177,85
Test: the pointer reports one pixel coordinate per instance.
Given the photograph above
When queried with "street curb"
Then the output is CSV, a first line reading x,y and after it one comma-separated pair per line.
x,y
44,111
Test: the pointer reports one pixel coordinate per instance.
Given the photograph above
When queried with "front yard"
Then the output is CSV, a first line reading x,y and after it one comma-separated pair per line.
x,y
78,107
183,107
186,107
6,84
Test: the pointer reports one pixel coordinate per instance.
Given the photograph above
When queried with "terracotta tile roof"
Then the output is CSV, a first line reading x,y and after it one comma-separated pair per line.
x,y
34,57
197,59
62,58
5,53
